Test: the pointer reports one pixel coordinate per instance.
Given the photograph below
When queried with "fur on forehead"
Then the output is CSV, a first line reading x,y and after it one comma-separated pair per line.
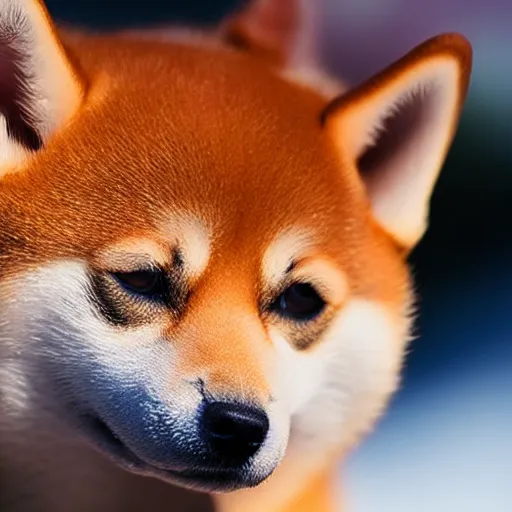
x,y
211,134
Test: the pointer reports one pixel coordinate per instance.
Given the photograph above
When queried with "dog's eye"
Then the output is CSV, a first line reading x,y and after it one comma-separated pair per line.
x,y
142,282
300,301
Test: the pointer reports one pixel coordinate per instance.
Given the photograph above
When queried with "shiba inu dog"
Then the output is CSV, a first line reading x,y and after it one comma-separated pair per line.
x,y
203,243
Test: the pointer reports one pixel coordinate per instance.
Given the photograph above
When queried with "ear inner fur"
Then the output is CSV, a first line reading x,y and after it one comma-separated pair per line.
x,y
433,79
40,89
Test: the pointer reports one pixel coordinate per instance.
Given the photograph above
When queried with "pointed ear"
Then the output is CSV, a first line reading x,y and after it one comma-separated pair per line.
x,y
39,89
397,128
282,31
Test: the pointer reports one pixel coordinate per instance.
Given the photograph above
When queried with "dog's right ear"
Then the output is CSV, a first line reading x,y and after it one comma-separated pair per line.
x,y
39,88
280,31
395,131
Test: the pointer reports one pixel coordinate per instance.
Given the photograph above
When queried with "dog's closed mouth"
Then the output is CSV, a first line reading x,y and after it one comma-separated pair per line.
x,y
107,441
104,439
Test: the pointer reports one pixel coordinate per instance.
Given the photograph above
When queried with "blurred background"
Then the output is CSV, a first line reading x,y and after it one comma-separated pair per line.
x,y
445,445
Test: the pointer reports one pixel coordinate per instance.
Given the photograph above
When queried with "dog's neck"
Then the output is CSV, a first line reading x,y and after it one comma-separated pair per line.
x,y
302,483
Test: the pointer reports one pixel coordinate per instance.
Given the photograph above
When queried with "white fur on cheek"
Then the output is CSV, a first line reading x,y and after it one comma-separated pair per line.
x,y
300,375
338,388
46,316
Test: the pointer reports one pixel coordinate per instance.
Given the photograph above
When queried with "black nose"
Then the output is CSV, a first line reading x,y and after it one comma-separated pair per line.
x,y
234,432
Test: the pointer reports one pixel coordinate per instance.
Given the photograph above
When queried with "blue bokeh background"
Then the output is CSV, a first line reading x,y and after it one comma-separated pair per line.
x,y
445,445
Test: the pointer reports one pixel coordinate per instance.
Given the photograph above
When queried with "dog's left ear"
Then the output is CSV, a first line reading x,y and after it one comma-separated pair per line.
x,y
395,131
280,31
40,87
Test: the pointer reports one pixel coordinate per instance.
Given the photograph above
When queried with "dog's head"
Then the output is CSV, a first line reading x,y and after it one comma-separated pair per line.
x,y
202,254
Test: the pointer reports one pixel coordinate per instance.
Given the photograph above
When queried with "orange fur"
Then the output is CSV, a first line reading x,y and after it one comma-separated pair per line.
x,y
165,128
317,496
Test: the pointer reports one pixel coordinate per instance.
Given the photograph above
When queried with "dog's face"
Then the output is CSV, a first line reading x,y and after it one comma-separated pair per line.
x,y
202,269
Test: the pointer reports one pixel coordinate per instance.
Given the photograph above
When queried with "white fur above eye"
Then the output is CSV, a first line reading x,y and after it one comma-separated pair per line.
x,y
192,236
288,245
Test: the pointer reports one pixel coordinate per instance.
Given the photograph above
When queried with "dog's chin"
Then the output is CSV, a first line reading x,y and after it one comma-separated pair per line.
x,y
203,479
207,480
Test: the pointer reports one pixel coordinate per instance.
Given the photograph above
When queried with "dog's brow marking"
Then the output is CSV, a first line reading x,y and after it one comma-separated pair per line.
x,y
192,238
281,255
324,273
